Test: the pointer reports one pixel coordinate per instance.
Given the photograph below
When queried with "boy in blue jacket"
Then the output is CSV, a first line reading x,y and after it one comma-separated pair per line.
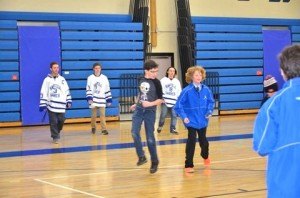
x,y
277,130
194,106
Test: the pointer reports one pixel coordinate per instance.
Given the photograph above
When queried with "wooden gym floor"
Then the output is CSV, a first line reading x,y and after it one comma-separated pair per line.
x,y
87,165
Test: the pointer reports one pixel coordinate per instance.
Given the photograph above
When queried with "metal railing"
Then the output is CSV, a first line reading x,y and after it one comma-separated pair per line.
x,y
139,10
129,91
212,81
185,36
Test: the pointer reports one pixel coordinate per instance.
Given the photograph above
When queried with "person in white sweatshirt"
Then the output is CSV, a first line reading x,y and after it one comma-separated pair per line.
x,y
171,88
98,96
55,97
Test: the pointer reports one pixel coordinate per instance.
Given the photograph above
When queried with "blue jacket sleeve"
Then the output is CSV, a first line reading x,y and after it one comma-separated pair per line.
x,y
180,104
265,129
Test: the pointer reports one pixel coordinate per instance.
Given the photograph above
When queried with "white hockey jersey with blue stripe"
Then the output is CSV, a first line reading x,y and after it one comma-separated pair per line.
x,y
98,90
171,90
55,94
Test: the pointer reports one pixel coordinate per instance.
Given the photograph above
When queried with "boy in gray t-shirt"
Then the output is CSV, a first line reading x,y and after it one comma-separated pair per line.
x,y
145,110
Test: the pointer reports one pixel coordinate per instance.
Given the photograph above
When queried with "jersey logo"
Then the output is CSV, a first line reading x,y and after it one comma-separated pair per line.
x,y
170,89
54,88
54,91
97,87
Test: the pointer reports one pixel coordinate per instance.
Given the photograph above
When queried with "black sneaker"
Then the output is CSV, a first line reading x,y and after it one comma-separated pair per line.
x,y
93,130
142,160
105,132
153,168
173,131
159,129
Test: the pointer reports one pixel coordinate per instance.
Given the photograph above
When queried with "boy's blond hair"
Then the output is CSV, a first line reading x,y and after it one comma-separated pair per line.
x,y
190,72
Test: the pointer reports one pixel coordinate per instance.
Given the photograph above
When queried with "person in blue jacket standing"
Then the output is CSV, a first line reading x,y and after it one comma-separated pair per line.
x,y
277,130
194,106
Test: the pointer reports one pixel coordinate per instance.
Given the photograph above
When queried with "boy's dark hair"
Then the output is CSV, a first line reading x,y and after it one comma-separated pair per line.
x,y
96,64
170,68
150,64
290,61
53,63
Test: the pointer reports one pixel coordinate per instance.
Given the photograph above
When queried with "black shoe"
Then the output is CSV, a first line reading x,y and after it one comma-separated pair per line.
x,y
159,129
142,160
93,130
105,132
153,168
173,131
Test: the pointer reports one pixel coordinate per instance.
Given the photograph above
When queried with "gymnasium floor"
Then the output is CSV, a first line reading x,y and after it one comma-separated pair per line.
x,y
87,165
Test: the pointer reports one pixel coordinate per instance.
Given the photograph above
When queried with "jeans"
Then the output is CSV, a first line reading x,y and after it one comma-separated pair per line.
x,y
56,121
191,144
163,114
148,116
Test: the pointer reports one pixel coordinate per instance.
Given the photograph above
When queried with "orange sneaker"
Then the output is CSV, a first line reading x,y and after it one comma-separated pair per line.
x,y
189,170
206,162
207,171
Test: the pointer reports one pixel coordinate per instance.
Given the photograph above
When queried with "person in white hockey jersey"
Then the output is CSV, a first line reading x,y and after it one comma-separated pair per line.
x,y
98,96
55,97
171,88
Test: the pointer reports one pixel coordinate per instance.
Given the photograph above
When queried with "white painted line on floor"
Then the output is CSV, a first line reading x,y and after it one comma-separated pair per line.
x,y
98,173
68,188
235,160
162,167
128,170
220,162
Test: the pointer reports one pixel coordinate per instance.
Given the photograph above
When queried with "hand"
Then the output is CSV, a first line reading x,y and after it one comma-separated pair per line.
x,y
69,104
90,102
132,107
108,104
208,116
146,104
42,108
186,120
93,105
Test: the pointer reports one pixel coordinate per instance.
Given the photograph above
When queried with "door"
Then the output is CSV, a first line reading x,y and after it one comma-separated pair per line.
x,y
164,60
38,47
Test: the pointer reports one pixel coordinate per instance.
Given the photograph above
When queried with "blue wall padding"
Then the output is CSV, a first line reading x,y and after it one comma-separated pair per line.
x,y
52,16
38,47
274,41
